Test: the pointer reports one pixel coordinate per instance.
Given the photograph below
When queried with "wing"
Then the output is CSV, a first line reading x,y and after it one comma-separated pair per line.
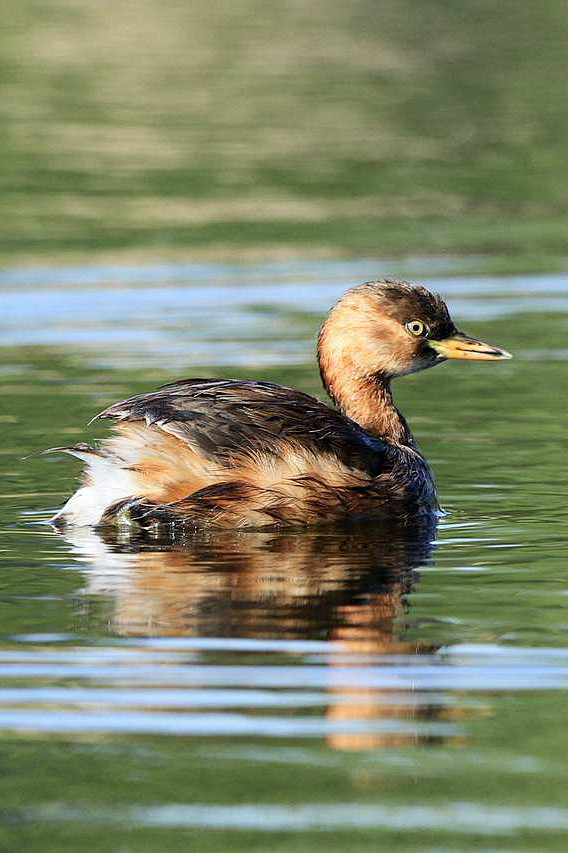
x,y
231,421
237,453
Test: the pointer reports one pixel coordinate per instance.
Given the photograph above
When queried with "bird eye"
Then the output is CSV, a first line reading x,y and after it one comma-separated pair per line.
x,y
417,328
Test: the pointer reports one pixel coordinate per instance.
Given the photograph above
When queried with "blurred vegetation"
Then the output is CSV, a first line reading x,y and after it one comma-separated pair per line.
x,y
250,128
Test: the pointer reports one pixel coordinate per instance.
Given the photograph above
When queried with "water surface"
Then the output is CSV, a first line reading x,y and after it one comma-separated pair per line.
x,y
386,686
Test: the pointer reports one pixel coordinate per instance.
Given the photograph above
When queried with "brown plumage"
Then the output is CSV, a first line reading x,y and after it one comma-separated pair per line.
x,y
238,453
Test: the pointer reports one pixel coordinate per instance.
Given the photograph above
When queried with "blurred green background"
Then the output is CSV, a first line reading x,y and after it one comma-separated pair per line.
x,y
138,130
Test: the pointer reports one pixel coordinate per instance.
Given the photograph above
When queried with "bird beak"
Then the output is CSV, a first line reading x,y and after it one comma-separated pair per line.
x,y
462,347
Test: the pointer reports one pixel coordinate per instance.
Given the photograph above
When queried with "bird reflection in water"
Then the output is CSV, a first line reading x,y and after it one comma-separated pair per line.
x,y
347,586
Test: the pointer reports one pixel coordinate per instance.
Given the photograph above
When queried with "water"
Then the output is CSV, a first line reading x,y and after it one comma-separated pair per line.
x,y
324,128
382,687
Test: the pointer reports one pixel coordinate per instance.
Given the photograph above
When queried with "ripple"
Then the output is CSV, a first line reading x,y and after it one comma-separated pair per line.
x,y
160,313
460,817
208,725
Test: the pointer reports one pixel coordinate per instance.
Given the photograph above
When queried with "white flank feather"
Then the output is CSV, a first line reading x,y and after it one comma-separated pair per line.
x,y
106,484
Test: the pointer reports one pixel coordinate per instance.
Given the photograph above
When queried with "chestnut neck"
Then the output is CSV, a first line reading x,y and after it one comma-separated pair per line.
x,y
368,401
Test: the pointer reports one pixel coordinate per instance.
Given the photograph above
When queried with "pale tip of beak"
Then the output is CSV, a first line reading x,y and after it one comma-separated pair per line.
x,y
468,349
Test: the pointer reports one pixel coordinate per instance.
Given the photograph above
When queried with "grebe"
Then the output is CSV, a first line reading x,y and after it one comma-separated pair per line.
x,y
235,453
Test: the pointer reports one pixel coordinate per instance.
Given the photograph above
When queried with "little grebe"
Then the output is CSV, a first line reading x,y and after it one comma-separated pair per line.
x,y
237,453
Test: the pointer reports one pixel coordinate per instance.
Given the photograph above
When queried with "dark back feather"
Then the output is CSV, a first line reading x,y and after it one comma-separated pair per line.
x,y
231,420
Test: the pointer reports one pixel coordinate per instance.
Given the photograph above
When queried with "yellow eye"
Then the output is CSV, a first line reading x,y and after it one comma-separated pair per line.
x,y
417,328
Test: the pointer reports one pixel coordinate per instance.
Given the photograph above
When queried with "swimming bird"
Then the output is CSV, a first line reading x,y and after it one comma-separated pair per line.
x,y
239,453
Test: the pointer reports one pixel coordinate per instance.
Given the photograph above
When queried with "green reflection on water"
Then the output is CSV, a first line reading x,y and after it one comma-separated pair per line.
x,y
494,435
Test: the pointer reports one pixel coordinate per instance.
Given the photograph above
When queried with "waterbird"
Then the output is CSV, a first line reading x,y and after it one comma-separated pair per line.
x,y
247,453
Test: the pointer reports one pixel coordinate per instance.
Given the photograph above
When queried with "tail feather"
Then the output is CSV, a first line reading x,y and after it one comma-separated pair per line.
x,y
82,451
104,483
